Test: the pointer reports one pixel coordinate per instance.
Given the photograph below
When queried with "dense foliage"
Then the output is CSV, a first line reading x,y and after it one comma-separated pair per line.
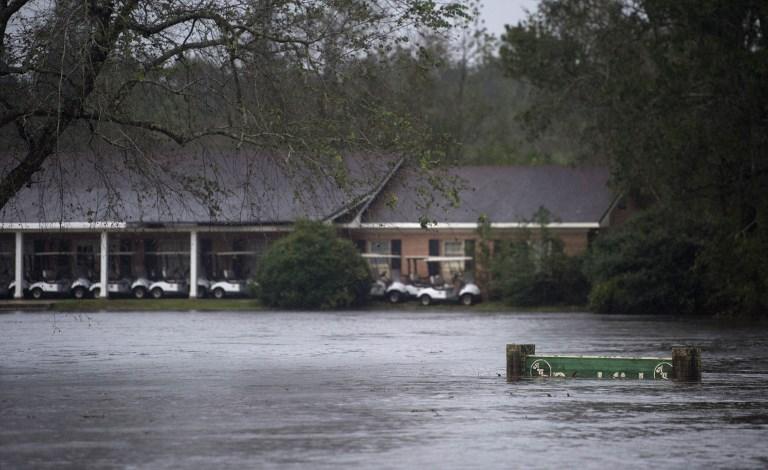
x,y
647,266
276,77
674,93
535,271
313,268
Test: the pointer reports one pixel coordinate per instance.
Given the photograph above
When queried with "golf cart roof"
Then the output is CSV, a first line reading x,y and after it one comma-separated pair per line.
x,y
378,255
431,259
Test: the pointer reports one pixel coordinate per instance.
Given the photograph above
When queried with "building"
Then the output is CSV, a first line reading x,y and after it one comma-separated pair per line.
x,y
211,215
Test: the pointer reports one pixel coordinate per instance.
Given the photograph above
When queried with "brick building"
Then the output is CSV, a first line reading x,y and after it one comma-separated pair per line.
x,y
209,213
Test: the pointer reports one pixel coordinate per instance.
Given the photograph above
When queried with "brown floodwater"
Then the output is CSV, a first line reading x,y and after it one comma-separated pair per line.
x,y
368,390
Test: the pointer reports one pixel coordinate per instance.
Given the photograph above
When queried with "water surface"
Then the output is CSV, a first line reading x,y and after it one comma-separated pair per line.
x,y
367,390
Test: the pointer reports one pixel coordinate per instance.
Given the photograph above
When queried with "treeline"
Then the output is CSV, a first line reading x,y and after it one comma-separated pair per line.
x,y
675,94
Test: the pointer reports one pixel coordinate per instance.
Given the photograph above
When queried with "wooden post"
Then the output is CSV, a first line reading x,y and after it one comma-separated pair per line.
x,y
516,355
686,364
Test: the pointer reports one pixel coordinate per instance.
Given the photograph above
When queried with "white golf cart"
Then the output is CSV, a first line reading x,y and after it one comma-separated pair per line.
x,y
174,279
12,288
436,289
80,287
378,262
234,280
118,284
115,287
173,284
177,286
50,286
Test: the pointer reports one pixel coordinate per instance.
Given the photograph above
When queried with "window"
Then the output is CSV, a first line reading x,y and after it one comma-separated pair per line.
x,y
453,268
469,250
434,250
380,267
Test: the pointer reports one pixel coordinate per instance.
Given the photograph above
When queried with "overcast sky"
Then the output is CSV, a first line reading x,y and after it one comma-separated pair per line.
x,y
497,13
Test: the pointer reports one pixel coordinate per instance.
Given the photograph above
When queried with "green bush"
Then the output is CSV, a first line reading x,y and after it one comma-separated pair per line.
x,y
313,268
646,266
536,271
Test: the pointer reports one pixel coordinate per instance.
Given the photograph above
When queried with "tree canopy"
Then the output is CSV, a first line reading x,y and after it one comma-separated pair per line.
x,y
674,94
130,73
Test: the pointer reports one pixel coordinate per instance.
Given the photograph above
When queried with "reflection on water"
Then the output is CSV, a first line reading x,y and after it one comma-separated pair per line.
x,y
383,390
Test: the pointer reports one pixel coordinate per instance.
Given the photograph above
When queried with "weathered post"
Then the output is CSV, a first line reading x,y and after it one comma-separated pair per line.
x,y
516,355
686,364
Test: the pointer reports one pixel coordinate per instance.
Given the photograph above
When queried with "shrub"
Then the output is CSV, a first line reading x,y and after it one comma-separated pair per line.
x,y
313,268
646,266
536,271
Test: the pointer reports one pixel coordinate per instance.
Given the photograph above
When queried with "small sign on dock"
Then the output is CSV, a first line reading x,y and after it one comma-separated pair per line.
x,y
684,365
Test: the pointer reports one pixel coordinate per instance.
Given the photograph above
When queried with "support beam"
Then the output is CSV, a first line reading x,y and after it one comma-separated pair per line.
x,y
516,355
18,292
104,258
193,264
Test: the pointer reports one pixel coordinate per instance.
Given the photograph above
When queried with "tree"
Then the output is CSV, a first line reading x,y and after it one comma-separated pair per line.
x,y
126,71
313,268
534,270
674,93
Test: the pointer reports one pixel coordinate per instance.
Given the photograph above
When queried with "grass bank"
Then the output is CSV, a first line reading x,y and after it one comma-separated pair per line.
x,y
249,305
141,305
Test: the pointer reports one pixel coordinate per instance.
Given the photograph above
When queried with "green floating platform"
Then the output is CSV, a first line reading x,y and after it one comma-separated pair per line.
x,y
599,367
683,366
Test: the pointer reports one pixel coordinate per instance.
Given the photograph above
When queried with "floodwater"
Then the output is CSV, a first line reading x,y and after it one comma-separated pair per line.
x,y
420,389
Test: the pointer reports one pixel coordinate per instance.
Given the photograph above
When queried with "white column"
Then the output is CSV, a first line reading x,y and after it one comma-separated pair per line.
x,y
18,292
193,264
104,258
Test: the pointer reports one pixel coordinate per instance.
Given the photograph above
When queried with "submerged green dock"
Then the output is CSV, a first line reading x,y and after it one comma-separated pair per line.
x,y
683,365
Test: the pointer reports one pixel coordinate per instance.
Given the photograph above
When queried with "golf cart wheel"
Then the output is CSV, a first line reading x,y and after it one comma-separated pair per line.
x,y
394,297
79,292
157,293
96,293
425,300
37,293
218,293
467,300
140,292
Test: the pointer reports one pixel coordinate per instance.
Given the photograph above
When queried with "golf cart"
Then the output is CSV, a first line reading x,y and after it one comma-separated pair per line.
x,y
140,287
174,284
435,289
229,286
114,287
119,282
50,286
174,280
378,262
177,286
231,271
80,287
12,288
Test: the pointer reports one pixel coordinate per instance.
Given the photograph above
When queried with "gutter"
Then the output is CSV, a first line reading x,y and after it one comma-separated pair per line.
x,y
468,225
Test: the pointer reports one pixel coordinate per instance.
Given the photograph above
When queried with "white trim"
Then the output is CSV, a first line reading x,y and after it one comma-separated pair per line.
x,y
565,356
469,226
130,228
32,226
